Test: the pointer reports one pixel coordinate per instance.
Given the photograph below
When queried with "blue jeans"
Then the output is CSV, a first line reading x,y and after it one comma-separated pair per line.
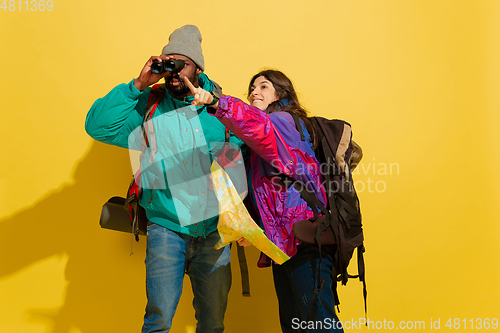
x,y
295,282
168,256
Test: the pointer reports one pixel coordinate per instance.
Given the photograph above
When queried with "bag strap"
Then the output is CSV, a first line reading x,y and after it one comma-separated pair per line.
x,y
361,271
134,192
148,130
242,259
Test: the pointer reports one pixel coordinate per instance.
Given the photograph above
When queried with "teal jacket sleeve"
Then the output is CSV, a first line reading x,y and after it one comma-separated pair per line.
x,y
113,118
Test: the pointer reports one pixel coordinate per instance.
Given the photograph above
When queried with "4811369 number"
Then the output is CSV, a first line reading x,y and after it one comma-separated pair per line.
x,y
27,5
472,323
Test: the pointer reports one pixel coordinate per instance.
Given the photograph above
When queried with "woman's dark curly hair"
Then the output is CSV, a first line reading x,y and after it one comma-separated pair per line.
x,y
287,99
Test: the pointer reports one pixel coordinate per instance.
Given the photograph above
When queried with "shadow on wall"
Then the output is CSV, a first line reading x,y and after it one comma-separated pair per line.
x,y
105,291
106,288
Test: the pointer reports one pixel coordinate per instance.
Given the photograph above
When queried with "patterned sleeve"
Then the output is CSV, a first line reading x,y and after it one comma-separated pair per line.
x,y
273,137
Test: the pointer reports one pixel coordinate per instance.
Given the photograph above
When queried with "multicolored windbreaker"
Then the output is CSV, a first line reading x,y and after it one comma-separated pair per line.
x,y
277,150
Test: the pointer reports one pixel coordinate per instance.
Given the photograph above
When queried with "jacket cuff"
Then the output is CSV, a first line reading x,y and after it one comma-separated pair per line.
x,y
129,91
224,103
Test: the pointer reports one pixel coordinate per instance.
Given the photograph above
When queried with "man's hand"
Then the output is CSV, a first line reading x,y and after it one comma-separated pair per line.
x,y
147,78
201,96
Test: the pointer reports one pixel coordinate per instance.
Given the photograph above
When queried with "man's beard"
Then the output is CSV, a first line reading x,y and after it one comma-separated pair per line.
x,y
178,91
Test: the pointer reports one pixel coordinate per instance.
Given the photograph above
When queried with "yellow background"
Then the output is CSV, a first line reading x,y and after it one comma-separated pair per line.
x,y
419,81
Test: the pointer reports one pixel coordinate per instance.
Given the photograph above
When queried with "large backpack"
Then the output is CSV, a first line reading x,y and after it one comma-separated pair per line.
x,y
340,222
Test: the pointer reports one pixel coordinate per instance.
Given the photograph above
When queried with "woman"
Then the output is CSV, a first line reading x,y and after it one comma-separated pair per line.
x,y
279,156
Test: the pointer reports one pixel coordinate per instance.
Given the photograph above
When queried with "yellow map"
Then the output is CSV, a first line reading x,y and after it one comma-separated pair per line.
x,y
235,221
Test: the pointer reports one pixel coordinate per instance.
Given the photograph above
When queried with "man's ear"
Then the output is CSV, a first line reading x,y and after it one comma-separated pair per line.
x,y
198,71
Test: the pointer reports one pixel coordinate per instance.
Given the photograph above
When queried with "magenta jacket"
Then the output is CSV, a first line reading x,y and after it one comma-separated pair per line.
x,y
277,150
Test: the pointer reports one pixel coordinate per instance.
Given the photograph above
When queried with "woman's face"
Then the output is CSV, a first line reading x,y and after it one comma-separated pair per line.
x,y
263,93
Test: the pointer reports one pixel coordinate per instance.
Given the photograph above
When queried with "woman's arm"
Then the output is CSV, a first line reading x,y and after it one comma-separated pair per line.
x,y
272,137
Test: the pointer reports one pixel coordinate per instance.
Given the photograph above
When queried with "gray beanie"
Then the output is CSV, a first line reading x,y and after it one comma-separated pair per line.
x,y
187,42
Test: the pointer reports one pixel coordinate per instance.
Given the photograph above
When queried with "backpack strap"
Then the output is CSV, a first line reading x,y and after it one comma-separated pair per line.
x,y
298,125
134,193
361,271
148,129
242,259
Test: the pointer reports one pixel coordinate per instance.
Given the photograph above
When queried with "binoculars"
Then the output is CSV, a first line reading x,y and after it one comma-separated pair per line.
x,y
170,65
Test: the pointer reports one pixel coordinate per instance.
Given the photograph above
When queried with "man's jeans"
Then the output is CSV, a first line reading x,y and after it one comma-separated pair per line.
x,y
295,281
169,255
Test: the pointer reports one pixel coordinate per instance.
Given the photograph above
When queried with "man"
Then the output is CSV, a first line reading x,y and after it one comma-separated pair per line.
x,y
181,209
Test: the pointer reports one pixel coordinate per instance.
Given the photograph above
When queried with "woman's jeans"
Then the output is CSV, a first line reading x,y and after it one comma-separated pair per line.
x,y
169,255
295,282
